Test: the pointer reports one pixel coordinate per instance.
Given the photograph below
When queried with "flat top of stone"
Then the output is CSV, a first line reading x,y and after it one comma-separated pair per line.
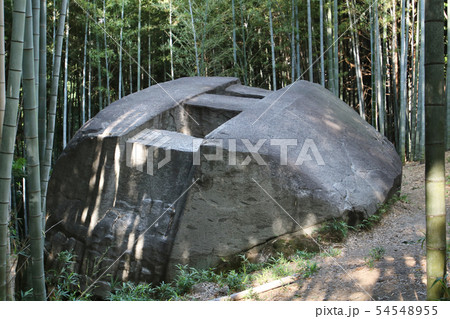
x,y
127,114
167,140
306,111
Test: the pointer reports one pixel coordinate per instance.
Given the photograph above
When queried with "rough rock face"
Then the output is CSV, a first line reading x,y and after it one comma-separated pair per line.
x,y
199,169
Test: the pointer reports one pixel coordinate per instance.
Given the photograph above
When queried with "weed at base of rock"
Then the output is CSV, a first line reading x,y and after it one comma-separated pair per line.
x,y
375,254
330,252
64,282
334,230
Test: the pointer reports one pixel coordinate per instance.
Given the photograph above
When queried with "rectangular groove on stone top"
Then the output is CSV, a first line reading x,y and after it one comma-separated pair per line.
x,y
246,91
223,102
192,120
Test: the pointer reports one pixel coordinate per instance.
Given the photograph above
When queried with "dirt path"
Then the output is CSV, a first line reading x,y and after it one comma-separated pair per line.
x,y
398,275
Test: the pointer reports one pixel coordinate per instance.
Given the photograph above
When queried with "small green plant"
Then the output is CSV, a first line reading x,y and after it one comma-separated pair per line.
x,y
24,295
63,281
165,291
331,252
188,277
310,268
236,281
422,240
251,295
443,281
369,222
375,254
128,291
248,267
278,267
301,254
334,230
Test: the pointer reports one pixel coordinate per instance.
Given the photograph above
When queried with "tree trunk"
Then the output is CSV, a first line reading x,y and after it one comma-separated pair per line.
x,y
9,131
310,54
89,77
66,69
448,79
272,46
415,67
195,38
99,65
149,55
293,42
421,97
395,71
336,49
6,290
121,49
131,75
373,72
322,62
244,43
403,88
359,79
108,95
83,95
138,48
171,41
378,76
331,81
435,110
36,10
234,37
30,110
205,21
2,68
42,80
53,101
297,60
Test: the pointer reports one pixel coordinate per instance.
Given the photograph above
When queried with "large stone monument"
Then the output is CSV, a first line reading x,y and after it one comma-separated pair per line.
x,y
199,169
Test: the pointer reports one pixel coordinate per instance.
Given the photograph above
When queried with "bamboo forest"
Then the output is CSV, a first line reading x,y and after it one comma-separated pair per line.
x,y
78,79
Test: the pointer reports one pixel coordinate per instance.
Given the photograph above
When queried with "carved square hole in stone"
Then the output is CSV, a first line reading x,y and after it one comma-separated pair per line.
x,y
196,121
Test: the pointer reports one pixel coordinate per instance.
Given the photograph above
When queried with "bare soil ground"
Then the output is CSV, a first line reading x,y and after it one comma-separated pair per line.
x,y
398,275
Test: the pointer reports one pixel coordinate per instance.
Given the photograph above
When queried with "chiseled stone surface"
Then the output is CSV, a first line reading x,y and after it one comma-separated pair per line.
x,y
192,171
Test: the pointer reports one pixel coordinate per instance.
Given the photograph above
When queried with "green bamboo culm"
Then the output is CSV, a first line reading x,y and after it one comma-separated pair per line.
x,y
42,95
42,79
2,67
9,130
36,9
435,111
448,79
403,80
46,165
30,110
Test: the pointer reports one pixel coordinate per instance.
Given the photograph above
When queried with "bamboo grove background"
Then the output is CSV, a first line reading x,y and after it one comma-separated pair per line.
x,y
369,53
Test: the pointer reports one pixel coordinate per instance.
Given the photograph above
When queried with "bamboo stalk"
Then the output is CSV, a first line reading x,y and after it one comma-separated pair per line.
x,y
30,109
272,45
9,130
195,38
435,147
53,101
310,54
